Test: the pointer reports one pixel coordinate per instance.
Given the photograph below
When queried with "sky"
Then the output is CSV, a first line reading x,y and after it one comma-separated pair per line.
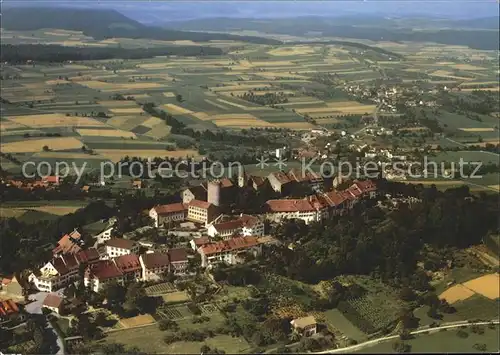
x,y
157,10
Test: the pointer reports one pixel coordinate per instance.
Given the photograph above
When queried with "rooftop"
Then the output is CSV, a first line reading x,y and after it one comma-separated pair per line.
x,y
8,307
303,322
155,260
200,204
53,300
127,263
171,208
104,269
291,205
120,243
68,244
177,255
231,244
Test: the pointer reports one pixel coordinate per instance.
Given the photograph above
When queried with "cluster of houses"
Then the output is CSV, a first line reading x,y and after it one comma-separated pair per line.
x,y
312,208
117,260
47,182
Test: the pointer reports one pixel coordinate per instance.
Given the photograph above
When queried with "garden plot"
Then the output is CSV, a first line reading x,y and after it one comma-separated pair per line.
x,y
159,289
136,321
175,312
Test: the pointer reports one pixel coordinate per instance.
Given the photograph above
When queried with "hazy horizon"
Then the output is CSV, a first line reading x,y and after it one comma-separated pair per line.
x,y
164,11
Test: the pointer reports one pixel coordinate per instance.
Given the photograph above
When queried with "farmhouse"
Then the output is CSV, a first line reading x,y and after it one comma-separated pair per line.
x,y
202,212
119,246
305,326
154,266
366,188
229,251
97,276
53,303
245,225
162,214
101,230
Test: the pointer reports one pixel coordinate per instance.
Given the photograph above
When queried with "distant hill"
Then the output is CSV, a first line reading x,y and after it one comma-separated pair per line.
x,y
477,33
102,24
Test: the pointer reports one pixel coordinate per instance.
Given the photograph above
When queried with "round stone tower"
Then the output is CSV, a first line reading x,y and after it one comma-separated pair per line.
x,y
213,193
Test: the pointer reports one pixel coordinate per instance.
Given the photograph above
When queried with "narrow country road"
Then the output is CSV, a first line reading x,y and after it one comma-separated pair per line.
x,y
35,307
392,337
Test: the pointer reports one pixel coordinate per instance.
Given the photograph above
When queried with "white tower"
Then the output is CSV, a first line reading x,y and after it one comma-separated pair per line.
x,y
213,193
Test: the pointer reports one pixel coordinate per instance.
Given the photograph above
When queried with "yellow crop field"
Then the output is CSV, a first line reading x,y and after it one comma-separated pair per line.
x,y
159,131
142,319
106,133
66,155
201,115
11,212
290,51
295,125
56,82
456,293
5,125
168,94
152,121
101,85
473,83
54,120
244,120
495,187
466,67
487,285
481,129
177,109
126,111
36,145
350,108
116,154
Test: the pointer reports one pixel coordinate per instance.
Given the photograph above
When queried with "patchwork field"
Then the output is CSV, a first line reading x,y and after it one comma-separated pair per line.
x,y
54,120
37,145
487,286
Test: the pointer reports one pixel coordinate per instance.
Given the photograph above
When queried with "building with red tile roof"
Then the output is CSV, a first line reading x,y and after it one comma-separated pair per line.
x,y
278,210
54,303
69,244
154,265
244,225
199,242
130,266
8,308
202,212
229,251
175,212
98,275
312,179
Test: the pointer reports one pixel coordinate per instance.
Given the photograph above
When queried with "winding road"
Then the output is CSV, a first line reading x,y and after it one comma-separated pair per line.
x,y
368,343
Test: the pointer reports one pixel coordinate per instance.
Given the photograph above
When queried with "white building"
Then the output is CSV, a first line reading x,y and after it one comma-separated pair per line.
x,y
229,251
175,212
245,225
119,246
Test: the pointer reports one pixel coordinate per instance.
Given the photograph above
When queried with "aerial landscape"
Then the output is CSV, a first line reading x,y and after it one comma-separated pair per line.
x,y
223,177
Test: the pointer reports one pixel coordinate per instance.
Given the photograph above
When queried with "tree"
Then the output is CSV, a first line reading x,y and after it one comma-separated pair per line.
x,y
178,97
462,334
136,299
45,148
